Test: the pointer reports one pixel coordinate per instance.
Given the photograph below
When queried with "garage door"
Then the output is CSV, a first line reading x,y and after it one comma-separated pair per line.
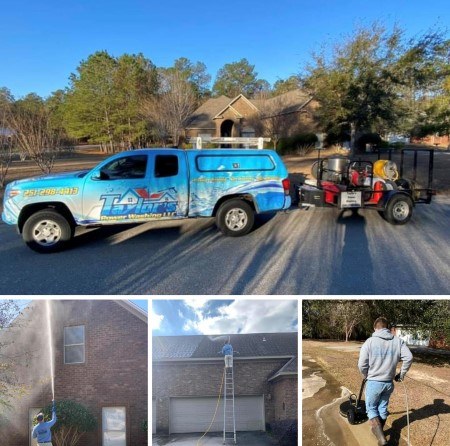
x,y
195,414
154,416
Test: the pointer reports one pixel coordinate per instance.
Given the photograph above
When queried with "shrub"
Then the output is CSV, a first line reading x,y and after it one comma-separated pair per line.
x,y
302,143
74,420
144,426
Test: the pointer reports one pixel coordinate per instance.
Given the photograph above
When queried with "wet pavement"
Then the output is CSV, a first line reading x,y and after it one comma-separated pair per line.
x,y
322,423
243,439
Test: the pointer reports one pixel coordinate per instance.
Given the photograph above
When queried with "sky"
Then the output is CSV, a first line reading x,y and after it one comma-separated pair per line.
x,y
41,43
199,315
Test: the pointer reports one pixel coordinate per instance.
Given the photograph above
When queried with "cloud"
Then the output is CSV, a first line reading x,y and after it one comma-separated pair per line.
x,y
156,320
244,316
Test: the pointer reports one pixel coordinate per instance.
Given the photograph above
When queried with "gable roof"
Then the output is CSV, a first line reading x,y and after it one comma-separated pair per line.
x,y
289,102
203,116
251,345
290,368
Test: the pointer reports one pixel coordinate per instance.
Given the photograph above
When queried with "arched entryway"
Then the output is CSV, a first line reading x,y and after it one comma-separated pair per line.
x,y
226,128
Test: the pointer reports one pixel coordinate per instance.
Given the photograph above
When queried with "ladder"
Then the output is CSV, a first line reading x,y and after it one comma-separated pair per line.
x,y
229,420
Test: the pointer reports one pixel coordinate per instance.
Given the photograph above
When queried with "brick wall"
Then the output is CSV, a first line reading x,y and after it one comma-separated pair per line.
x,y
114,373
204,379
285,398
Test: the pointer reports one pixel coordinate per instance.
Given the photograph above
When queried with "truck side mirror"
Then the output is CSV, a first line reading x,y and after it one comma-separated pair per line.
x,y
99,175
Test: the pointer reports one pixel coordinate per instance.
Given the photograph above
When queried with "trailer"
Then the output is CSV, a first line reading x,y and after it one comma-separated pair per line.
x,y
393,184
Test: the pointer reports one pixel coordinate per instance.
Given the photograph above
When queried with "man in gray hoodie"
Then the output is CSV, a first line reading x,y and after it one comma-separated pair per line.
x,y
378,361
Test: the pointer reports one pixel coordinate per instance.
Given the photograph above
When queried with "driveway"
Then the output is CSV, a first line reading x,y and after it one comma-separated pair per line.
x,y
243,439
317,251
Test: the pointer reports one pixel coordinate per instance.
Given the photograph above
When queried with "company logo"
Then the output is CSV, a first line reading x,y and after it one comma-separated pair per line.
x,y
139,203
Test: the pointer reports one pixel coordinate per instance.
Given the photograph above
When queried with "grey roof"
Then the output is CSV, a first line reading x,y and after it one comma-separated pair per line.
x,y
209,347
290,368
203,116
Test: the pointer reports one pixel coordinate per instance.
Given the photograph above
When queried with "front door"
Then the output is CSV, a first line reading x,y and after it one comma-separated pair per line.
x,y
136,187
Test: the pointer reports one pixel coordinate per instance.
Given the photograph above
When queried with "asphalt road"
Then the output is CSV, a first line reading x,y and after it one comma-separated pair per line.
x,y
302,252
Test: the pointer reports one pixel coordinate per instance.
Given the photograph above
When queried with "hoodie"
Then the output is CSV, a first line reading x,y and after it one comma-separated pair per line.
x,y
380,355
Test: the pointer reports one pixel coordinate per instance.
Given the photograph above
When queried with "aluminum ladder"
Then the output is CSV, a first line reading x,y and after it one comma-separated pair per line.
x,y
229,420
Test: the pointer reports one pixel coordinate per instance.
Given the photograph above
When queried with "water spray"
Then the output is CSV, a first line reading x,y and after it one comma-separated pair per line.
x,y
50,345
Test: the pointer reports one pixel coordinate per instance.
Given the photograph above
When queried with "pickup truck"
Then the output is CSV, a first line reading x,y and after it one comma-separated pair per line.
x,y
231,185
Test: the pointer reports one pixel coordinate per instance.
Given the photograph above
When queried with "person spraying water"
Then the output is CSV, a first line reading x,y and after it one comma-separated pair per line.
x,y
227,351
42,431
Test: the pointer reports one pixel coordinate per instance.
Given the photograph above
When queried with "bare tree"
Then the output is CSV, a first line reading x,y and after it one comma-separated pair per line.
x,y
171,109
347,314
6,141
35,135
273,121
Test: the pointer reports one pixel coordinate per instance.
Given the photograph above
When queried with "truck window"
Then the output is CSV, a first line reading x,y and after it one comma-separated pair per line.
x,y
166,166
126,167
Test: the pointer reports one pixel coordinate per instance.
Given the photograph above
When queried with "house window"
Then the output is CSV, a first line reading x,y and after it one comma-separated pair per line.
x,y
114,426
74,345
127,167
166,166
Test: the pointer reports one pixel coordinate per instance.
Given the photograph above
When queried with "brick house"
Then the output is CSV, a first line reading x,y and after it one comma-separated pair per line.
x,y
224,116
100,360
187,376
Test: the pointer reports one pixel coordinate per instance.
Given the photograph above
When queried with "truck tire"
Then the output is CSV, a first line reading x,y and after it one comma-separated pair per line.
x,y
235,217
47,231
399,210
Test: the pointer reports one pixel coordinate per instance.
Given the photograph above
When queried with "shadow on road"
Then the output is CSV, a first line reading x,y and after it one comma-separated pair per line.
x,y
355,260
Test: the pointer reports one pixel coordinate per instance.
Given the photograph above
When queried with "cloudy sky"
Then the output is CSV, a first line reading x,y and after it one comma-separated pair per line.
x,y
205,316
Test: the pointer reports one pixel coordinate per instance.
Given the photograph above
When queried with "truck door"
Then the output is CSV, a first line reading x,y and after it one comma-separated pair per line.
x,y
136,187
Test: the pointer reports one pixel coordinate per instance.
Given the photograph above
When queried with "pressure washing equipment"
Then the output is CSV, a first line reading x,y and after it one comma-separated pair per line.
x,y
354,409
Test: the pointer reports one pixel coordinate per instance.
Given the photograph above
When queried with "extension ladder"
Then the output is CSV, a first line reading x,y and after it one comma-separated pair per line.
x,y
229,420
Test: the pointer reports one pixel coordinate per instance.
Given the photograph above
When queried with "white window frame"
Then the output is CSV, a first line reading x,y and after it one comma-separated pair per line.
x,y
103,424
73,345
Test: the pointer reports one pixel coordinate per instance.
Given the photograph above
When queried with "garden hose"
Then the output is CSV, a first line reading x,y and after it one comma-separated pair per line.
x,y
385,169
407,408
215,412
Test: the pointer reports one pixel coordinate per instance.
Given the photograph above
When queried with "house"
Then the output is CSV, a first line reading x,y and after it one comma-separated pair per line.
x,y
287,114
187,376
100,361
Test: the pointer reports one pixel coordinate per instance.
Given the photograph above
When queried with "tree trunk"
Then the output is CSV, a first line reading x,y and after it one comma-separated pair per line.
x,y
352,137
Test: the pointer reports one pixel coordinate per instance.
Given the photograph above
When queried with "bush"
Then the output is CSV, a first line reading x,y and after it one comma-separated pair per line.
x,y
144,426
74,420
301,144
285,432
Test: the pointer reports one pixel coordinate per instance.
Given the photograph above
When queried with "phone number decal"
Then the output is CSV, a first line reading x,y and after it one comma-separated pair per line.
x,y
51,191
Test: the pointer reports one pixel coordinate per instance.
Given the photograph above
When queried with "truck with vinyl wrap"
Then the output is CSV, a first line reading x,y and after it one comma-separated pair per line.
x,y
231,185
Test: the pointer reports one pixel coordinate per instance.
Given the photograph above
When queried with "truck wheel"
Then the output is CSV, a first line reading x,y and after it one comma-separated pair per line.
x,y
47,231
235,217
399,210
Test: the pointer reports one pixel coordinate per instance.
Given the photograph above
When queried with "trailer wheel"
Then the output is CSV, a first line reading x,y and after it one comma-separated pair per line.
x,y
399,210
47,231
235,217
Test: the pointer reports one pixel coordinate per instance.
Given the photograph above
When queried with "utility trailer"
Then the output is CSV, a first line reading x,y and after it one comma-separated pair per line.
x,y
383,185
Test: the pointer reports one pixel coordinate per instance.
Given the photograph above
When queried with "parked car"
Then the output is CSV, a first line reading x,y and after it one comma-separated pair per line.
x,y
231,185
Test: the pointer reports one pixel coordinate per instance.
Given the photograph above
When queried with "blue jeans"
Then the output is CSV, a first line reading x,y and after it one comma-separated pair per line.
x,y
377,398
